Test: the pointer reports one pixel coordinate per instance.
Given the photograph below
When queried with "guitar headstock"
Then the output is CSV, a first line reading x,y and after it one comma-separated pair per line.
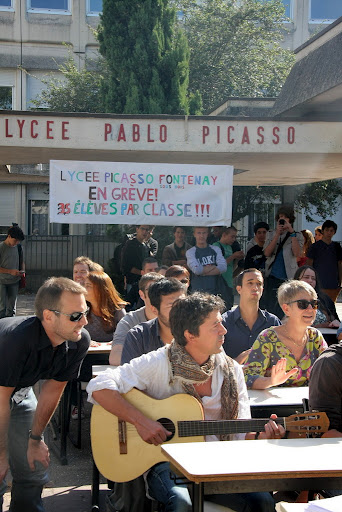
x,y
308,422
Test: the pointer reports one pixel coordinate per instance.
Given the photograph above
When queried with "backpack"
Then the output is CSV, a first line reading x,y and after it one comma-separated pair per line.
x,y
116,261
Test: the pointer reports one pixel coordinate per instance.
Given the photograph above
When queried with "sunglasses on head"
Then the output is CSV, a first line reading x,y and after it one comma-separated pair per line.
x,y
304,304
73,317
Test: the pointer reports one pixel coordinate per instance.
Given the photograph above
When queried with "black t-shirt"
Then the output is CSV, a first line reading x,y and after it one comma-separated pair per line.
x,y
133,255
27,355
255,258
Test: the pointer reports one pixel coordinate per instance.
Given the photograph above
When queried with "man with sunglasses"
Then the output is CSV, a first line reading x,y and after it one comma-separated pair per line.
x,y
49,346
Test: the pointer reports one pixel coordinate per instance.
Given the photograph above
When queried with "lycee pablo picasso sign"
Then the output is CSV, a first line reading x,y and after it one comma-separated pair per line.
x,y
140,193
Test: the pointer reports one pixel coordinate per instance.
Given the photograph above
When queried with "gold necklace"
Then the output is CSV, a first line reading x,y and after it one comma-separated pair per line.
x,y
304,339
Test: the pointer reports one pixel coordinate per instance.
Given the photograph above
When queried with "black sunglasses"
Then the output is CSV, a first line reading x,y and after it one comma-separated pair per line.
x,y
185,280
73,317
304,304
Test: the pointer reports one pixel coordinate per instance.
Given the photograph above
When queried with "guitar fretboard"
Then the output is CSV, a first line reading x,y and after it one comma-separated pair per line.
x,y
215,427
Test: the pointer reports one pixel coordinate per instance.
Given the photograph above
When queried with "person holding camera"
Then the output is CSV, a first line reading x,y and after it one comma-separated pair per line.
x,y
282,248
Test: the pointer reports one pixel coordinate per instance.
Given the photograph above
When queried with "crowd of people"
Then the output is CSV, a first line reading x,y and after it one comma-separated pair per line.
x,y
175,330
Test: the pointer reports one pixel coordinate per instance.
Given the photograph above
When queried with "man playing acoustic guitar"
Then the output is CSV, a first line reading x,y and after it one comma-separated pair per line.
x,y
194,363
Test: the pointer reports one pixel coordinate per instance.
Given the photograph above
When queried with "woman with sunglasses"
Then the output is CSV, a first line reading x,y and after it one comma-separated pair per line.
x,y
326,315
106,308
284,355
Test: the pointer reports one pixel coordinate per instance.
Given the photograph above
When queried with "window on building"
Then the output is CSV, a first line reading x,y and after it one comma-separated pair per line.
x,y
94,7
6,5
325,11
57,6
39,220
6,98
96,229
288,7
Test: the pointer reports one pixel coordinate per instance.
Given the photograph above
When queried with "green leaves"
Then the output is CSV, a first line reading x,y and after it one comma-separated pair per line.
x,y
235,48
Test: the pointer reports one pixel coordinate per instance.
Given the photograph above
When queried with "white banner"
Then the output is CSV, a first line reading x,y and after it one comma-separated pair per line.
x,y
140,193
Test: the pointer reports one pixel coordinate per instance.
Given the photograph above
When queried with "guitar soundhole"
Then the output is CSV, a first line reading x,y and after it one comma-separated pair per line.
x,y
167,423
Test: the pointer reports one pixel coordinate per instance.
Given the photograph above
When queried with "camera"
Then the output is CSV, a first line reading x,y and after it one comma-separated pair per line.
x,y
281,222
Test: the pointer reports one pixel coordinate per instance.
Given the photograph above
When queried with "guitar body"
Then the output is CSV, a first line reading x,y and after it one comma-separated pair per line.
x,y
140,456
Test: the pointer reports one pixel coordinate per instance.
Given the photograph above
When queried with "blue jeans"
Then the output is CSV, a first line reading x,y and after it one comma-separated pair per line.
x,y
27,485
8,299
162,488
176,497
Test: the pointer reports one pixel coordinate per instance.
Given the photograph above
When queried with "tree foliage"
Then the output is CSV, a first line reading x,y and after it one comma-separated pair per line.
x,y
147,58
317,201
75,91
323,197
235,48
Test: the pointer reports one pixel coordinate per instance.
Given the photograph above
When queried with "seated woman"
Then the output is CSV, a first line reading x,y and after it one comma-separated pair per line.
x,y
284,355
106,307
106,310
326,315
179,272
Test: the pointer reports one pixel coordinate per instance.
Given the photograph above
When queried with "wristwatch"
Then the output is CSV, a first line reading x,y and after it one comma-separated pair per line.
x,y
35,438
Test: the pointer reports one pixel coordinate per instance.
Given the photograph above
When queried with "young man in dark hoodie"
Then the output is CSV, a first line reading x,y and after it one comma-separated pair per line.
x,y
325,393
325,388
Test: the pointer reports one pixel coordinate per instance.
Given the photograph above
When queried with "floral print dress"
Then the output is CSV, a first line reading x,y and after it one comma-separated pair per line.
x,y
268,349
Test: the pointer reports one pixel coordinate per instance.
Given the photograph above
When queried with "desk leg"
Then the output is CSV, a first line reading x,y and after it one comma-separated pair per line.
x,y
95,489
64,426
198,496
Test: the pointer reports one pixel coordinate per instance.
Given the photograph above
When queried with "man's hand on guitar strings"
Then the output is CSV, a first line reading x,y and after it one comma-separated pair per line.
x,y
152,432
272,430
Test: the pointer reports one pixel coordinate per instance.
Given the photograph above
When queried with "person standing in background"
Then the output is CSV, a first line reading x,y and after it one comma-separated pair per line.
x,y
11,269
282,248
174,254
226,242
206,262
325,256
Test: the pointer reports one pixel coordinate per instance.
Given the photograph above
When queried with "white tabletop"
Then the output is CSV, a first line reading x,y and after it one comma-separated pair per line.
x,y
103,348
278,396
258,460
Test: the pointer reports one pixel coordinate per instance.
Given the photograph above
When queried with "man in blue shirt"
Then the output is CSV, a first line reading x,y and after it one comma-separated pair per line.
x,y
155,333
245,322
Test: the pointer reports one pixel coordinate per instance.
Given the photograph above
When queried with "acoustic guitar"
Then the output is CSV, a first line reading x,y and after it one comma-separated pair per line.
x,y
121,455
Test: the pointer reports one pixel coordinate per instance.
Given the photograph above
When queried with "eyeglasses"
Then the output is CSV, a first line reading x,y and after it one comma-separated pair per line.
x,y
304,304
73,317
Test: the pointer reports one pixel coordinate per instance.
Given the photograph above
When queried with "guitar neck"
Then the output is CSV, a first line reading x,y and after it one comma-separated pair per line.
x,y
219,427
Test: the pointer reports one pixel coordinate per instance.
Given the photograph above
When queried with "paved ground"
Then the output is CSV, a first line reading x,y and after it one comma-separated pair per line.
x,y
70,487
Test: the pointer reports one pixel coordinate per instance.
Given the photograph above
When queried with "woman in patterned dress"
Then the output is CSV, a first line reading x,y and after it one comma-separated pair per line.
x,y
284,355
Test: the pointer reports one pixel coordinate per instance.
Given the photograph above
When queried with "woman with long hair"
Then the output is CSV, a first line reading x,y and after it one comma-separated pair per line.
x,y
106,307
326,315
106,310
308,241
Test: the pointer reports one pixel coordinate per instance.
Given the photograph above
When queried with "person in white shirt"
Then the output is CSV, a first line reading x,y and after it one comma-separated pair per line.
x,y
193,363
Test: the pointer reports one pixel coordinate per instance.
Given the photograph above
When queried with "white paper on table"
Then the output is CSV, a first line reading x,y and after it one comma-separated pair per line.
x,y
326,505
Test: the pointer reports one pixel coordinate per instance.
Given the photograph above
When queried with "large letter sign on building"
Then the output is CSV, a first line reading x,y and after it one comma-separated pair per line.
x,y
140,193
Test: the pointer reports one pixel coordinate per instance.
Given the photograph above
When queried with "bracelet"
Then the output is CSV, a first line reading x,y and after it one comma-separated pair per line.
x,y
34,437
293,234
257,434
